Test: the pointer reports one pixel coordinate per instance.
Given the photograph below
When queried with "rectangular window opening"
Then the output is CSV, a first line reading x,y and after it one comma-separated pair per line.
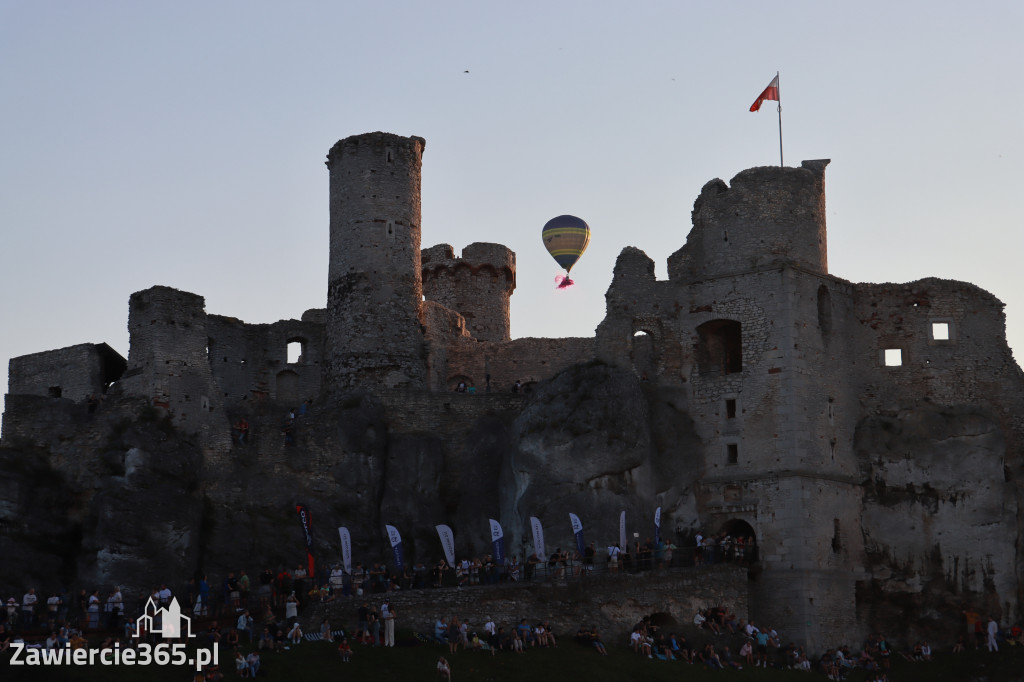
x,y
730,408
940,331
732,453
893,357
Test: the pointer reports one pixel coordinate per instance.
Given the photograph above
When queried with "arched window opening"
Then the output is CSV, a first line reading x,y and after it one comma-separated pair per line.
x,y
644,354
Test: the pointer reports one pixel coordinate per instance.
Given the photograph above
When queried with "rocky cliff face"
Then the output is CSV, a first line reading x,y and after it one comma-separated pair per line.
x,y
596,441
120,497
937,518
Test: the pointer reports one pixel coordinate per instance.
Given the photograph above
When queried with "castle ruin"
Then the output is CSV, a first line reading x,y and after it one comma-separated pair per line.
x,y
869,436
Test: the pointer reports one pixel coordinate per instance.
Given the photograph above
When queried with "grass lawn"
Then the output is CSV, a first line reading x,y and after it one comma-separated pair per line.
x,y
571,661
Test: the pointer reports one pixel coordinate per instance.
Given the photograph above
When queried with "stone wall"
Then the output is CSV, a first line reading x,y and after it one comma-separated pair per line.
x,y
614,603
527,360
249,362
75,372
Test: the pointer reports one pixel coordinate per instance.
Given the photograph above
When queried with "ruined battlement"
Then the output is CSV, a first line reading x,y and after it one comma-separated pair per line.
x,y
768,217
478,286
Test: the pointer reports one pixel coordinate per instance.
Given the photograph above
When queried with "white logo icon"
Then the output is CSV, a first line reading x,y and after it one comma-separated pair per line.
x,y
164,621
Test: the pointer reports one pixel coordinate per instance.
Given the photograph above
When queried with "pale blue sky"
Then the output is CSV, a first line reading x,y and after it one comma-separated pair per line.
x,y
182,143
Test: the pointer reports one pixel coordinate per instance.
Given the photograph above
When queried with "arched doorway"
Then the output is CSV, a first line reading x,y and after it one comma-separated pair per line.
x,y
460,383
738,542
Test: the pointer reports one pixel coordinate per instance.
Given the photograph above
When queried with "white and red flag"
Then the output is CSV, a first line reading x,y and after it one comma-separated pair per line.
x,y
771,92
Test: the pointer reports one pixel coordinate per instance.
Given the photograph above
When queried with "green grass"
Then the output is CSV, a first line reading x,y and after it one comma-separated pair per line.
x,y
312,661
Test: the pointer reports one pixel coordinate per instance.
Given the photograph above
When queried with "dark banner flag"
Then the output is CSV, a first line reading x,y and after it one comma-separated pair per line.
x,y
395,538
447,542
577,530
498,538
306,518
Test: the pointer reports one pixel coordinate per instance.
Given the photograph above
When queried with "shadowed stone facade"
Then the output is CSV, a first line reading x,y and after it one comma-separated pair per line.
x,y
867,435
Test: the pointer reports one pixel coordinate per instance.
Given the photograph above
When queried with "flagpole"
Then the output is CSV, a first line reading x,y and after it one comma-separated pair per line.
x,y
780,120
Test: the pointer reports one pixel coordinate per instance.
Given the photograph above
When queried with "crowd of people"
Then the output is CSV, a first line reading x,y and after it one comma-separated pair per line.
x,y
250,619
561,564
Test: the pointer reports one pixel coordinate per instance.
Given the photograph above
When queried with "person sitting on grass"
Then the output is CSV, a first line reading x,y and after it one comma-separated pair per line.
x,y
253,660
747,651
325,631
295,634
241,667
595,639
728,660
443,669
345,651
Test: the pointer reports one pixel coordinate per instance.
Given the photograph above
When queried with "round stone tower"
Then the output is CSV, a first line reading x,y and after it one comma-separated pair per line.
x,y
374,336
477,286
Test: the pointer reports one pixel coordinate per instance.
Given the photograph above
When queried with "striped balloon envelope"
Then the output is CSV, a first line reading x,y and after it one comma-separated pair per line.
x,y
566,238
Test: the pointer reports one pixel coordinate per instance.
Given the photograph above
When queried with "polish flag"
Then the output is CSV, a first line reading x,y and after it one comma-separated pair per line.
x,y
771,92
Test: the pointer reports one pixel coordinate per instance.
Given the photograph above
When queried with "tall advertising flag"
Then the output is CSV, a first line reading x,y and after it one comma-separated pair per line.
x,y
538,536
498,539
346,549
577,530
447,542
622,531
396,546
657,526
306,518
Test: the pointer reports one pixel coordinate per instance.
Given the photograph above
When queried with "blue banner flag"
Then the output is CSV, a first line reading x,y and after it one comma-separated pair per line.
x,y
577,530
396,546
498,539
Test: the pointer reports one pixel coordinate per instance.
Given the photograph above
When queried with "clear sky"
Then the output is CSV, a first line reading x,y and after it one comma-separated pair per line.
x,y
182,143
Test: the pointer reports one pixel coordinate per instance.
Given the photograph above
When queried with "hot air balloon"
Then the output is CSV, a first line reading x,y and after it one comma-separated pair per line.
x,y
566,238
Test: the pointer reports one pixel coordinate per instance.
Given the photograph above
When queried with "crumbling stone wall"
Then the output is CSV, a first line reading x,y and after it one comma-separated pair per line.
x,y
613,603
527,360
75,372
249,362
766,217
168,360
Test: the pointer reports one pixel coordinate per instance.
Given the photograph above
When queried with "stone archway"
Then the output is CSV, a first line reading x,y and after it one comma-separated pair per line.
x,y
741,552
